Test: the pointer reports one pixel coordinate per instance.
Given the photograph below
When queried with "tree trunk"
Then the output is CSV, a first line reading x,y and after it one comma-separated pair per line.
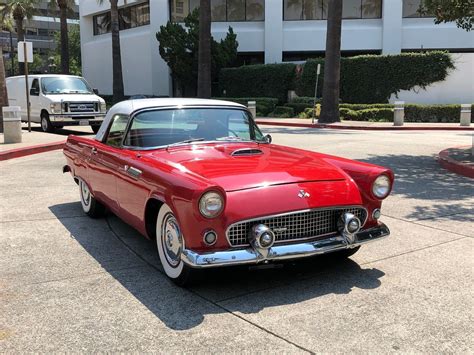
x,y
332,64
20,34
204,55
62,4
116,54
3,89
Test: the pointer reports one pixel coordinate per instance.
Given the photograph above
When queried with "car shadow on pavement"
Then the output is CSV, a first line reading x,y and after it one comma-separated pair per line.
x,y
420,177
62,131
219,291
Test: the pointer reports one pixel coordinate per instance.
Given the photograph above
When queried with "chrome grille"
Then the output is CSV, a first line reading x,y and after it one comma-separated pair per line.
x,y
295,225
83,107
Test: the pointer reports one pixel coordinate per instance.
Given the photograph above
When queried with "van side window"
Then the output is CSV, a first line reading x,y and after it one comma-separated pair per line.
x,y
35,88
117,130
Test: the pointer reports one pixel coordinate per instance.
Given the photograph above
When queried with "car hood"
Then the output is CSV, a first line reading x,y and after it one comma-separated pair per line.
x,y
244,166
74,97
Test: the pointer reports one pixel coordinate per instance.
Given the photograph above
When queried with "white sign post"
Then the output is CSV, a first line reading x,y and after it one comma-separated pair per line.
x,y
25,55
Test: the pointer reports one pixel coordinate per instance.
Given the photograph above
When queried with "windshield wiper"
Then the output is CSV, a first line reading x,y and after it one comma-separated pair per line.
x,y
185,142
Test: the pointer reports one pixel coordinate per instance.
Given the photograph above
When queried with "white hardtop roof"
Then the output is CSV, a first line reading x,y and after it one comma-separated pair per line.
x,y
129,106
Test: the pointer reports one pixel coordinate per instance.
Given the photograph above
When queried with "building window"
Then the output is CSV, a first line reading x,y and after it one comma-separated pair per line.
x,y
129,17
317,9
221,10
414,8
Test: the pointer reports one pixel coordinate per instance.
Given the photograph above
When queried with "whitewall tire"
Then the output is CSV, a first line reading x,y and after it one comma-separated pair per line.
x,y
90,205
170,244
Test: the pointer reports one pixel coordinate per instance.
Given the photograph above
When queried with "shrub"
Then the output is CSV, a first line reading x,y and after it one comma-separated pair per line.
x,y
283,112
299,107
272,80
432,113
374,78
305,100
357,107
265,105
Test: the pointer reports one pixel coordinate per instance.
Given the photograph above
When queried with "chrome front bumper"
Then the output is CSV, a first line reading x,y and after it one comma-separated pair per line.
x,y
281,252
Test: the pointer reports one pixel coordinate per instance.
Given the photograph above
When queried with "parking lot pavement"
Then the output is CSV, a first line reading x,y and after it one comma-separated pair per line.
x,y
70,283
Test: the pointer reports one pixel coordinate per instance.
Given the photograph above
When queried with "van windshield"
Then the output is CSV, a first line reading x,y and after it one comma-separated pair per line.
x,y
65,85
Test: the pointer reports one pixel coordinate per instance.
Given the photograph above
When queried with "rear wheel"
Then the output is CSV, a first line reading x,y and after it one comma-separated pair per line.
x,y
46,125
90,205
170,244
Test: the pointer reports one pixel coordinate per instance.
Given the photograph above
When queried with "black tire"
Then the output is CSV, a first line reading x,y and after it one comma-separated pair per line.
x,y
95,128
46,125
90,205
170,255
346,253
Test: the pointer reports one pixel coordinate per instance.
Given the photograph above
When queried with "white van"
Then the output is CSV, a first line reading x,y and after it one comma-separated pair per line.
x,y
57,101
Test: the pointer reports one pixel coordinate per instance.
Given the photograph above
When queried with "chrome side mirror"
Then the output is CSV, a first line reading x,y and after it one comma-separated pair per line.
x,y
268,138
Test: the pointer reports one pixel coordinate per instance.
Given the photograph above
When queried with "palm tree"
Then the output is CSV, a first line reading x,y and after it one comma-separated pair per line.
x,y
3,89
65,8
117,80
18,10
332,64
204,54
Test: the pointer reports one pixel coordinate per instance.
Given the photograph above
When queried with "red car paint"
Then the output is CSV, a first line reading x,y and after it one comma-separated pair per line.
x,y
252,186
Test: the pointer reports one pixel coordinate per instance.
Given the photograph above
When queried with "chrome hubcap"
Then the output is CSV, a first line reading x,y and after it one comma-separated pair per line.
x,y
85,194
172,240
44,124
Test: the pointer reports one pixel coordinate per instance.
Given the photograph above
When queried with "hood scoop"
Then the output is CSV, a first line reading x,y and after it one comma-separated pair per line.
x,y
245,152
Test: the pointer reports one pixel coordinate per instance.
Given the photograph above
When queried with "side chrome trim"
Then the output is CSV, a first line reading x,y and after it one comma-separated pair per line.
x,y
281,252
295,212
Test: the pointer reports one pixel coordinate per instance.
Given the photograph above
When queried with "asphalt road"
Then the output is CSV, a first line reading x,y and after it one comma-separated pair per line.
x,y
70,283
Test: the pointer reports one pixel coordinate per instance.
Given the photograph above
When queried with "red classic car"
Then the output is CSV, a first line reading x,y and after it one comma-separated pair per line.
x,y
201,178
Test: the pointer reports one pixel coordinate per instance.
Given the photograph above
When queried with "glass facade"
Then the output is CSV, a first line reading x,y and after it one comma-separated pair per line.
x,y
296,10
221,10
129,17
414,8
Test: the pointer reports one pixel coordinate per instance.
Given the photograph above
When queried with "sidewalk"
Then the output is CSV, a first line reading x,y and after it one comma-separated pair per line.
x,y
360,125
37,141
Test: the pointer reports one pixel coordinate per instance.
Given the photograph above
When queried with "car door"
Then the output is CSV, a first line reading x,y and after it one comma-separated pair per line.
x,y
105,163
35,104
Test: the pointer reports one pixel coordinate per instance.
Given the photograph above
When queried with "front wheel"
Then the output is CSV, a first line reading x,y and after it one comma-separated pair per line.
x,y
90,205
46,125
170,244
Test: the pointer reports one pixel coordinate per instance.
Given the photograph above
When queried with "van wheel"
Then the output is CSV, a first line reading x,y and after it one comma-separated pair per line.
x,y
46,125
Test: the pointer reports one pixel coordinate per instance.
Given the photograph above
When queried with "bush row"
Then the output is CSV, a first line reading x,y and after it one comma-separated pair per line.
x,y
273,80
265,105
366,78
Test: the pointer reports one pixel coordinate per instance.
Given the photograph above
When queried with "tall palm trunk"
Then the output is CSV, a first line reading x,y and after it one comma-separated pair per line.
x,y
20,34
3,89
204,55
63,8
332,64
117,80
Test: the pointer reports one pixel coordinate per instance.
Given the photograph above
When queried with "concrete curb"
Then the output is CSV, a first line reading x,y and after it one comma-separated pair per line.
x,y
453,165
34,149
365,128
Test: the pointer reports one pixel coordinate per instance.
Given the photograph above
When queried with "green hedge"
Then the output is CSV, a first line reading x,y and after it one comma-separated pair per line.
x,y
357,107
270,80
305,100
265,105
369,114
374,78
299,107
283,112
433,113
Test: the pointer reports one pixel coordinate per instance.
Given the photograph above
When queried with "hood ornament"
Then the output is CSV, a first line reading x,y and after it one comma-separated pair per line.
x,y
303,194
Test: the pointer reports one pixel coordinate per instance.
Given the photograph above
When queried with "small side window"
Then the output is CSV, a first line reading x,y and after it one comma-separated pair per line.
x,y
117,130
35,88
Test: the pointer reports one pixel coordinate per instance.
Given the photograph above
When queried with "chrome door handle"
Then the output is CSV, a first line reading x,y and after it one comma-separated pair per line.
x,y
133,172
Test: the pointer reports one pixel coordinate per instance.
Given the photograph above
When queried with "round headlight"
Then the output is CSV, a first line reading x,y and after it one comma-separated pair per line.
x,y
381,186
211,204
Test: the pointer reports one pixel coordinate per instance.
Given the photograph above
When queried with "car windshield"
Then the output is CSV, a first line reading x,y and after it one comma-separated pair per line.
x,y
157,128
65,85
